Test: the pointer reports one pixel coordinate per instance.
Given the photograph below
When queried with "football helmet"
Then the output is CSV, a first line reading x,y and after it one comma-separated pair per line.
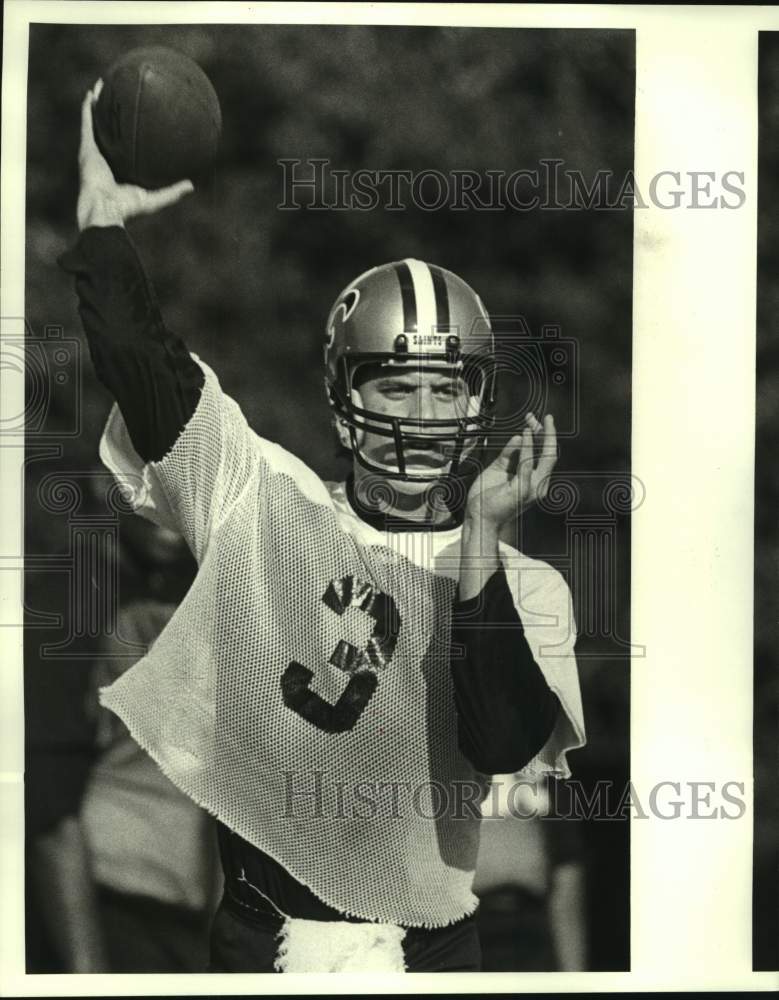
x,y
410,316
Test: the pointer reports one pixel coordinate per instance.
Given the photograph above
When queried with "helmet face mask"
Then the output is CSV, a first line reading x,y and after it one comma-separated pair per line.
x,y
396,438
410,319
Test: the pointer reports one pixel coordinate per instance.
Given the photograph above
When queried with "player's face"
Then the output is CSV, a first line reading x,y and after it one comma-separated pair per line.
x,y
425,394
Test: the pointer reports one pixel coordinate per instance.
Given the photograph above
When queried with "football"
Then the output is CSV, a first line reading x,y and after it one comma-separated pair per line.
x,y
157,119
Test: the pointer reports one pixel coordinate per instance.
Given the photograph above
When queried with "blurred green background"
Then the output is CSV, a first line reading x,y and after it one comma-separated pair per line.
x,y
249,286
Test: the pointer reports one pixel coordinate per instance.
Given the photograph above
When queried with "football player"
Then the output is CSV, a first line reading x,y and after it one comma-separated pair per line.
x,y
353,659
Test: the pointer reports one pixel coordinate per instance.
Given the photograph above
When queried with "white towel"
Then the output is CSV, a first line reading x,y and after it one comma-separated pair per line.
x,y
339,946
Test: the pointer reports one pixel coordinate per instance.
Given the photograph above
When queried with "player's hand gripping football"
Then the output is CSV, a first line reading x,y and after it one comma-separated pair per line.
x,y
103,202
514,480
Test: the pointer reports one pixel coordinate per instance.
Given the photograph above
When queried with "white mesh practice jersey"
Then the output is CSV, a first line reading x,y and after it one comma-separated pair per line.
x,y
302,691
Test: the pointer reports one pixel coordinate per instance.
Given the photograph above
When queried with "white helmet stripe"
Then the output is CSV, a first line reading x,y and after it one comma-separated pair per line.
x,y
427,314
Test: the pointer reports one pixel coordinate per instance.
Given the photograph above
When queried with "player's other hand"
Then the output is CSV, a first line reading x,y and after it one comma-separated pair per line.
x,y
514,480
103,202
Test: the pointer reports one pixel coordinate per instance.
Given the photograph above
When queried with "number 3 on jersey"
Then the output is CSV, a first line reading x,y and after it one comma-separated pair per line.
x,y
362,665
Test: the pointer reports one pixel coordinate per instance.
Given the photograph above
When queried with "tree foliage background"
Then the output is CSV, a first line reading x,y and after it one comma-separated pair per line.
x,y
249,286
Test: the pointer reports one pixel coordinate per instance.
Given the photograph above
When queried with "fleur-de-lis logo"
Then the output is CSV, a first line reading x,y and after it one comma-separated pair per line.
x,y
341,314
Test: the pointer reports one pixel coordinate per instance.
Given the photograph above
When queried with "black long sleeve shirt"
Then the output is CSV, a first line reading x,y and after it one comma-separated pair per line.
x,y
505,709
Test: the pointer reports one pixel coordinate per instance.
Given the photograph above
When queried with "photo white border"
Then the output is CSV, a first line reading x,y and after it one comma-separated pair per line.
x,y
693,447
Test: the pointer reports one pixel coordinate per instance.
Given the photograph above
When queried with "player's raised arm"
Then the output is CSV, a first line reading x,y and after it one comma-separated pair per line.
x,y
179,446
158,385
147,369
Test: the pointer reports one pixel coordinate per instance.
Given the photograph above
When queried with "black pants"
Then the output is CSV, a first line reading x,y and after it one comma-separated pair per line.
x,y
246,942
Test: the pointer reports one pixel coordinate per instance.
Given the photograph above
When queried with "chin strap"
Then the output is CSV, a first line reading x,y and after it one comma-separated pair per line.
x,y
448,494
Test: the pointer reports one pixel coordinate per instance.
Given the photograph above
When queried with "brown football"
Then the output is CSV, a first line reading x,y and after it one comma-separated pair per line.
x,y
157,119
